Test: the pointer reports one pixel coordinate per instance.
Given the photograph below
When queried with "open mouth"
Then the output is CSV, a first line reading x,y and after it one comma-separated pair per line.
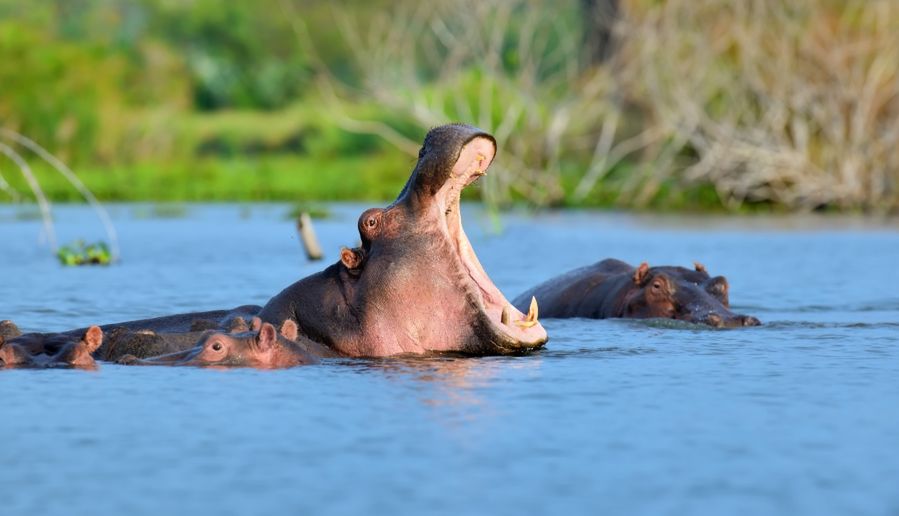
x,y
510,327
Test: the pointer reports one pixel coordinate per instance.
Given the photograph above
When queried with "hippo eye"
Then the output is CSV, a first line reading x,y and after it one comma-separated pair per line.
x,y
657,285
217,346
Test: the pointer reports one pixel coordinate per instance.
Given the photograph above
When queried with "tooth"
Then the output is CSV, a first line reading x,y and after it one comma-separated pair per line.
x,y
480,158
505,317
531,318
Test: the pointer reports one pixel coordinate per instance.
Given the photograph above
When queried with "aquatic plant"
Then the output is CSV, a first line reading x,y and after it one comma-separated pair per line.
x,y
79,253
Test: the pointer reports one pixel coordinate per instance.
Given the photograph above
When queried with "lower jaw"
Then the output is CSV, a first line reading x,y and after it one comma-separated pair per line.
x,y
500,341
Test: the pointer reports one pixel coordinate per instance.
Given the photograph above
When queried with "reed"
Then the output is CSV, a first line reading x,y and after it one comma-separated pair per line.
x,y
42,202
38,192
790,104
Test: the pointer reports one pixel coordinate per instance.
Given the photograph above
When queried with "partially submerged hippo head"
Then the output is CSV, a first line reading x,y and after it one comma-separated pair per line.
x,y
262,347
71,354
80,354
415,285
684,294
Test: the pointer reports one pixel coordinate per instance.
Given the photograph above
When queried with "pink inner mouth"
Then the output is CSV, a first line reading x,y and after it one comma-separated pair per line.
x,y
471,165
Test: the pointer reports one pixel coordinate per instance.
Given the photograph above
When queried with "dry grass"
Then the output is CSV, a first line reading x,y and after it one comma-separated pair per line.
x,y
511,67
792,103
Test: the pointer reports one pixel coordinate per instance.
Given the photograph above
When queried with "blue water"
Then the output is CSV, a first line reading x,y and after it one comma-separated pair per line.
x,y
799,416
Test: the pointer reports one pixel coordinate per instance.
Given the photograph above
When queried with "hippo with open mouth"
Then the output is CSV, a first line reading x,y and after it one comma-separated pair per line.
x,y
415,284
612,288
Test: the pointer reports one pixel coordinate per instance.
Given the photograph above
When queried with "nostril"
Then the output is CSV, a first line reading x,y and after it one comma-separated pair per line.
x,y
749,320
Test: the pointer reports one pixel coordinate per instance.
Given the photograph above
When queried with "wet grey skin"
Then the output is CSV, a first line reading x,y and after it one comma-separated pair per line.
x,y
260,347
612,288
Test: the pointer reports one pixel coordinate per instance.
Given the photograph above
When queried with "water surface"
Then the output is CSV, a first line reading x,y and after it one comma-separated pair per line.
x,y
798,416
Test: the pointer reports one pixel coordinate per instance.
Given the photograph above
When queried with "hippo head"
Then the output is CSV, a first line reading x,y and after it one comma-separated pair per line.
x,y
415,284
683,294
259,347
80,354
74,354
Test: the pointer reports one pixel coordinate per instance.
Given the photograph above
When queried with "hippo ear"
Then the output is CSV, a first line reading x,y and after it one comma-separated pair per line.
x,y
93,337
351,258
256,324
267,337
289,329
699,267
718,287
641,273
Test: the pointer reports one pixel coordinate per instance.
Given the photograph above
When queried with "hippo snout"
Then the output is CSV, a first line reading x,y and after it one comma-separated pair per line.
x,y
748,320
736,321
715,320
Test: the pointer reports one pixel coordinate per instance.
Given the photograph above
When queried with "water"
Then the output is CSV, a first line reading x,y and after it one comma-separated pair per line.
x,y
798,416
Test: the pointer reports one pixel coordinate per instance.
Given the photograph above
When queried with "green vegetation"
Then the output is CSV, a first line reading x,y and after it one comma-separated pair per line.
x,y
675,105
79,253
266,178
314,210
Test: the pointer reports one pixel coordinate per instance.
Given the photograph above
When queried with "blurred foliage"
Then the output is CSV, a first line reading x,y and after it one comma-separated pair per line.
x,y
635,103
693,103
314,210
238,54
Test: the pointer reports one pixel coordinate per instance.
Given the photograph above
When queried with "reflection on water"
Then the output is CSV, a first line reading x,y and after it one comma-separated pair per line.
x,y
793,417
452,386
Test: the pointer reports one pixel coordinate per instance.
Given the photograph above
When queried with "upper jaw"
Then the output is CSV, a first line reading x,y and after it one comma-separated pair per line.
x,y
449,168
500,328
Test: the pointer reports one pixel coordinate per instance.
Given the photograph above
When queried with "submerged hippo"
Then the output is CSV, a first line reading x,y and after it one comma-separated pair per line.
x,y
144,338
262,347
122,341
415,285
71,354
612,288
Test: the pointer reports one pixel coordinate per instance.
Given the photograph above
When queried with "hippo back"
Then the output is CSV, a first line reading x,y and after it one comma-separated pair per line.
x,y
594,291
